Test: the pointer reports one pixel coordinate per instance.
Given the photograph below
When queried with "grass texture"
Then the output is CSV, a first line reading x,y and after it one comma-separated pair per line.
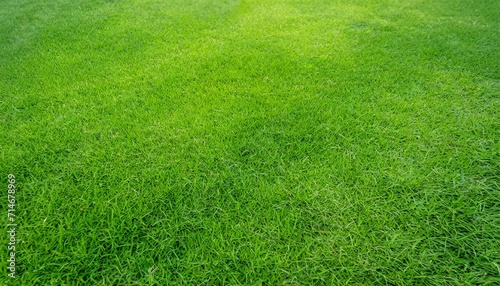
x,y
251,142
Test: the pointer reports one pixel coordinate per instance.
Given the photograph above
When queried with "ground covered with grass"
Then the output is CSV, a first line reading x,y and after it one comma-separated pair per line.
x,y
251,142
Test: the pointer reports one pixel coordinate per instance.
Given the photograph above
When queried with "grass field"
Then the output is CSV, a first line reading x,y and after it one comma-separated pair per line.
x,y
251,142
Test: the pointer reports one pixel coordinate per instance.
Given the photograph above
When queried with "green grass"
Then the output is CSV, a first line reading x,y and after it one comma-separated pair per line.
x,y
252,142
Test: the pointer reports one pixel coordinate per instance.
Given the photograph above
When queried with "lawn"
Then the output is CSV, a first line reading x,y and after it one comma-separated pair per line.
x,y
251,142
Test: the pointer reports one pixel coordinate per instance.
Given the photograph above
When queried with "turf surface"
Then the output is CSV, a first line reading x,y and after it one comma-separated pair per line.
x,y
252,142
